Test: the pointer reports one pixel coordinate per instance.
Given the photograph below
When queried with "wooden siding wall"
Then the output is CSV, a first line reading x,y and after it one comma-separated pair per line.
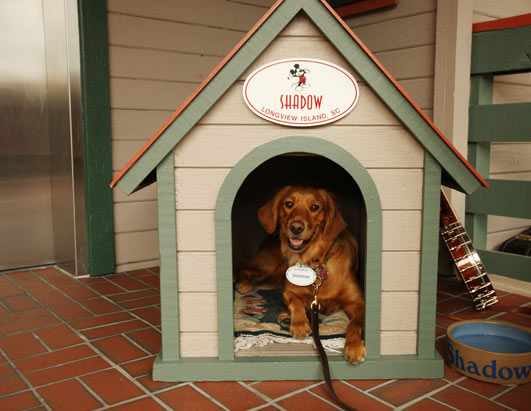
x,y
230,130
160,50
508,160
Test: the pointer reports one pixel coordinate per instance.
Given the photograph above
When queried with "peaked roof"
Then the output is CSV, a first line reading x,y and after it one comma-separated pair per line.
x,y
457,172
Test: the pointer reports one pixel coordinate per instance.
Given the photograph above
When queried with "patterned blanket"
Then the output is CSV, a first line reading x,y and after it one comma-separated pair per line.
x,y
256,324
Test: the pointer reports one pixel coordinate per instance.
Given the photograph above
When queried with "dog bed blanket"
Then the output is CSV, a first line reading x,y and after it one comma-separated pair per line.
x,y
256,324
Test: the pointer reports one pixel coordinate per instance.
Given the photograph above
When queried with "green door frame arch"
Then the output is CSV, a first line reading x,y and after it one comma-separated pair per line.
x,y
226,197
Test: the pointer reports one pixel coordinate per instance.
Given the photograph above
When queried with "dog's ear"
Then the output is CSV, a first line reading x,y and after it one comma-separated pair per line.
x,y
268,213
334,223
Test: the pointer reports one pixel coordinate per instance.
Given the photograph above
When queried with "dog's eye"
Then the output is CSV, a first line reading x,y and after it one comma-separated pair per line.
x,y
289,204
314,207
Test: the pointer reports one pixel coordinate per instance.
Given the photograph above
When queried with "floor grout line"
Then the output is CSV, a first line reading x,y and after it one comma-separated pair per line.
x,y
209,397
147,393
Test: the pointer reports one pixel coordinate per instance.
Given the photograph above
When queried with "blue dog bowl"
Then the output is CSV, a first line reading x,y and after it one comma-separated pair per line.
x,y
490,350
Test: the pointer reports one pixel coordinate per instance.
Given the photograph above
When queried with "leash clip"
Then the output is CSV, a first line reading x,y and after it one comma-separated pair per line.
x,y
316,286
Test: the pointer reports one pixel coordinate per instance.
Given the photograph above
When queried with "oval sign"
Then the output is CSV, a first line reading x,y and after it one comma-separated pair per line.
x,y
301,92
301,275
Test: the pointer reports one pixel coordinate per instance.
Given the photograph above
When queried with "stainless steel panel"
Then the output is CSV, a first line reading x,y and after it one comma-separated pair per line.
x,y
42,216
26,235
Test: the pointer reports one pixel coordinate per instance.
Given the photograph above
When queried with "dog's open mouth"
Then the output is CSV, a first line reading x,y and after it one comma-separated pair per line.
x,y
297,244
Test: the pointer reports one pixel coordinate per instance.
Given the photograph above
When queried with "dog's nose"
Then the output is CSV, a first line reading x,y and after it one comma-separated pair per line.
x,y
296,227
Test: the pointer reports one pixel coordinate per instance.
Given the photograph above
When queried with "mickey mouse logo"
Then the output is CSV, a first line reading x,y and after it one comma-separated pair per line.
x,y
300,73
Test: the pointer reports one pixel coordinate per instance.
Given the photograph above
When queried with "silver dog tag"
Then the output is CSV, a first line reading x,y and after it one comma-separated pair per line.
x,y
300,275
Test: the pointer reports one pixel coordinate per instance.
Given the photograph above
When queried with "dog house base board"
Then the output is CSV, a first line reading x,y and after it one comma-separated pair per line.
x,y
295,368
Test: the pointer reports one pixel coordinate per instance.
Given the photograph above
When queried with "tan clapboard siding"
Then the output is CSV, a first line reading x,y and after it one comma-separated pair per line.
x,y
135,216
126,62
399,311
407,32
212,13
485,10
197,271
139,32
401,230
198,312
374,147
290,47
120,268
197,188
123,151
148,94
198,344
196,230
231,109
136,124
510,158
404,9
137,247
398,342
409,63
399,189
400,271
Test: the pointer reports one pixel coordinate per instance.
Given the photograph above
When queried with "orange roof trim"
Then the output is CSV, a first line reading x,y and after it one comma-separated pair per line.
x,y
502,24
235,50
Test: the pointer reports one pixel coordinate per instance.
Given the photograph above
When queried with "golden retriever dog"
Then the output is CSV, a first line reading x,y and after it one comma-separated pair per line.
x,y
311,232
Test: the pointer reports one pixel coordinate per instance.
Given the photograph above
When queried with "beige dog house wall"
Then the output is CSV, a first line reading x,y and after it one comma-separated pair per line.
x,y
390,156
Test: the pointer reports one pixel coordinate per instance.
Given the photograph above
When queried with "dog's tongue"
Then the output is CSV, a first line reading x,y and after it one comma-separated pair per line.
x,y
296,242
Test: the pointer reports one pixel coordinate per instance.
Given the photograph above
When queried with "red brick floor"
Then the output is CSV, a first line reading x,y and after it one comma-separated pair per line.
x,y
89,343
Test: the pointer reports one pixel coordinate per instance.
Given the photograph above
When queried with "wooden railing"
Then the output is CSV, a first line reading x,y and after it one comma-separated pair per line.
x,y
499,47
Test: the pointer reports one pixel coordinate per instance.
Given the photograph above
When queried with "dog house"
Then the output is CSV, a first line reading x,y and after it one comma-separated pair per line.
x,y
216,161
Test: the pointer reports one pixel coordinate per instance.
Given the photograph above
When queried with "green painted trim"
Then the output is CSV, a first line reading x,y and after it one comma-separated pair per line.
x,y
295,368
481,92
506,264
510,198
225,200
169,296
501,51
499,122
431,203
96,124
355,55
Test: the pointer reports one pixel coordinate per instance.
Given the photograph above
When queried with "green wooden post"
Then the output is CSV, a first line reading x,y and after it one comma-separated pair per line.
x,y
169,296
428,264
479,156
96,123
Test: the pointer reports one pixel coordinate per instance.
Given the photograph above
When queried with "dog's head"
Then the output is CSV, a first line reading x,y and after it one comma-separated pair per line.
x,y
303,215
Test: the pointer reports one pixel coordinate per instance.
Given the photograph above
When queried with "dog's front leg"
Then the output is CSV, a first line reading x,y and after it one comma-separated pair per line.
x,y
299,326
355,351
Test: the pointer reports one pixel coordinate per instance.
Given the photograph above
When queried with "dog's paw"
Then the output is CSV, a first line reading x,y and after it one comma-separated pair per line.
x,y
300,331
355,352
244,287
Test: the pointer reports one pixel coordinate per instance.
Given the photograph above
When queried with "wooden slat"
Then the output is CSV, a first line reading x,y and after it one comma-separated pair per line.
x,y
506,264
141,32
374,147
509,198
500,122
400,271
398,342
399,311
136,246
212,13
502,51
409,32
